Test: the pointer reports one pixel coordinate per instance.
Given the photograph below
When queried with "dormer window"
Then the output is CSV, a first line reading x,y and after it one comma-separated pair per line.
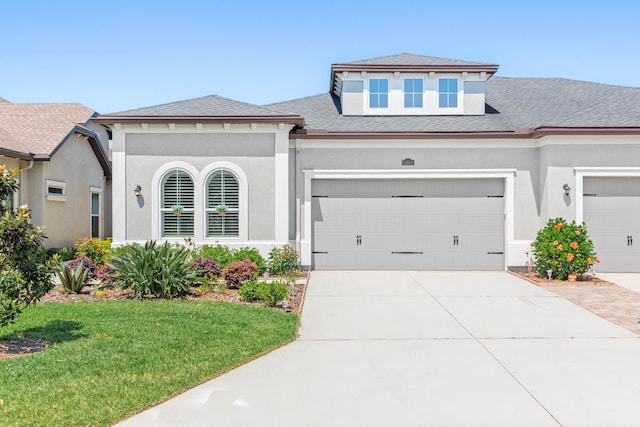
x,y
413,93
448,93
378,93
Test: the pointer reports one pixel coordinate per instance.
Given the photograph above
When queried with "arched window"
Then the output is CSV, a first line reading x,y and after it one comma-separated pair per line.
x,y
176,204
222,204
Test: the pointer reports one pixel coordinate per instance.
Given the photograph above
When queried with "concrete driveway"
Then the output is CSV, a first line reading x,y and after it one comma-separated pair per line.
x,y
427,349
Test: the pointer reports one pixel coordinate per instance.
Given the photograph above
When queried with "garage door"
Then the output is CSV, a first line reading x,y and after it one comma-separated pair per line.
x,y
434,224
612,215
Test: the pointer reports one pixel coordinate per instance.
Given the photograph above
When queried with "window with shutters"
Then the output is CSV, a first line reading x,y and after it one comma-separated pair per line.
x,y
222,192
177,191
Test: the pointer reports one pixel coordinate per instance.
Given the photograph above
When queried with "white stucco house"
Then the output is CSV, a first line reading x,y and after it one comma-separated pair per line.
x,y
406,162
65,172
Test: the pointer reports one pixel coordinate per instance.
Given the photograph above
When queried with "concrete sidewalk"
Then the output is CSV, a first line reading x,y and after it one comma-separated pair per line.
x,y
427,349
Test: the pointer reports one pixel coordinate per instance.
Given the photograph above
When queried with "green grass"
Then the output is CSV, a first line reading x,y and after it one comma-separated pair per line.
x,y
112,359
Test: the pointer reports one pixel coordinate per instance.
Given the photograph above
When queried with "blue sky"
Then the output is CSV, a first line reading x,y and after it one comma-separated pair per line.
x,y
117,55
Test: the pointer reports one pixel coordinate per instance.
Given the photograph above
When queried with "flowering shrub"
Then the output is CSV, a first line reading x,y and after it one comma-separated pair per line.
x,y
238,272
283,259
252,254
564,249
98,251
206,267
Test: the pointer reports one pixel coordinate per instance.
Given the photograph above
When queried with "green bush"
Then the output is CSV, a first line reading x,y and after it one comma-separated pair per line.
x,y
64,254
564,249
154,270
252,254
270,294
283,260
222,254
25,271
124,250
73,279
98,251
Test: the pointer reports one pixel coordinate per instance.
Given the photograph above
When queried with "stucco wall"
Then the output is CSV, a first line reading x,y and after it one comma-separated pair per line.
x,y
253,153
76,165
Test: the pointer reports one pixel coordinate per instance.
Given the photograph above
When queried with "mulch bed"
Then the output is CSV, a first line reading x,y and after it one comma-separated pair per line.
x,y
24,347
583,279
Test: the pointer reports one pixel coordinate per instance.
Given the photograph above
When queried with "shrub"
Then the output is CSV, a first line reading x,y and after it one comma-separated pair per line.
x,y
222,254
154,270
564,249
64,254
86,263
283,259
206,267
124,250
252,254
73,279
98,251
239,271
270,294
25,271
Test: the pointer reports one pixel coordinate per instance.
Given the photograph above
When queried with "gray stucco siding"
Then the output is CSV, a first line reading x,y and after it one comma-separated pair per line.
x,y
206,145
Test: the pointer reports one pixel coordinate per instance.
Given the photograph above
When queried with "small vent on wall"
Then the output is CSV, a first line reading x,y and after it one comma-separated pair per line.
x,y
408,162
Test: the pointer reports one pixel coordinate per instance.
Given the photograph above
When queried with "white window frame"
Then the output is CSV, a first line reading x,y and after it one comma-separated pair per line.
x,y
98,191
61,185
208,210
162,210
457,93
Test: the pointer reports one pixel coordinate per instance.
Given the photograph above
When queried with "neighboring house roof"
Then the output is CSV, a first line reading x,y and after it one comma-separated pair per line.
x,y
206,109
37,131
3,100
513,105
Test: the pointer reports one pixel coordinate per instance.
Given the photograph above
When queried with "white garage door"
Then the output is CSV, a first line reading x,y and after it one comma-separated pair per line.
x,y
612,215
434,224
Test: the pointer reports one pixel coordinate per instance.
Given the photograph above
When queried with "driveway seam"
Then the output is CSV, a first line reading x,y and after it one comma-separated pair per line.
x,y
493,356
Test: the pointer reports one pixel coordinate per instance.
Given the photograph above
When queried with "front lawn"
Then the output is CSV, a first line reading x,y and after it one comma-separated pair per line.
x,y
109,360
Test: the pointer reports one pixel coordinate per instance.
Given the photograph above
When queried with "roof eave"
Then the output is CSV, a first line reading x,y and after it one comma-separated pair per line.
x,y
113,119
16,154
323,134
550,130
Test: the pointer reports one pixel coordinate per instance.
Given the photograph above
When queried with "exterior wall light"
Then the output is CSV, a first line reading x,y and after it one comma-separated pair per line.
x,y
137,190
567,189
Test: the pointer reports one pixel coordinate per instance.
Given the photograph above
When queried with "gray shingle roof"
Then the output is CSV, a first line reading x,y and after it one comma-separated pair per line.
x,y
411,59
206,106
512,103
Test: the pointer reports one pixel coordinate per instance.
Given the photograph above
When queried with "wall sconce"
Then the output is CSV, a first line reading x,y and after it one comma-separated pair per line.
x,y
137,190
567,189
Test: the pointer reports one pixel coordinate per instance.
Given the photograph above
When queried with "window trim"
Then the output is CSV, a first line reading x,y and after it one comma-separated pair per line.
x,y
162,210
457,93
59,185
98,191
208,210
413,93
243,199
370,93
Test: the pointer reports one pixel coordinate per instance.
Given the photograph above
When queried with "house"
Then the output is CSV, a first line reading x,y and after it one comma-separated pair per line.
x,y
406,162
65,171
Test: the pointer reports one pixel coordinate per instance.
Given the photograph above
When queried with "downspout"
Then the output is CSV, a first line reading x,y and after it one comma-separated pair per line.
x,y
20,178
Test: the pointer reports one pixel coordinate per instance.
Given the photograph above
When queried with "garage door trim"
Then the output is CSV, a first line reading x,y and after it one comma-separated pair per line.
x,y
585,172
314,174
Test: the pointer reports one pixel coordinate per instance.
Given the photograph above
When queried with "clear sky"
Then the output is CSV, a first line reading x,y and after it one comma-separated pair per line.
x,y
123,54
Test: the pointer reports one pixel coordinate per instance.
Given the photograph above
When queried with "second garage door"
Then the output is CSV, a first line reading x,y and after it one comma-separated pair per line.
x,y
429,224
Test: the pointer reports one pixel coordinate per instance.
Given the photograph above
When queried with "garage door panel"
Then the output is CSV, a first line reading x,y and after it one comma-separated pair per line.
x,y
612,216
445,224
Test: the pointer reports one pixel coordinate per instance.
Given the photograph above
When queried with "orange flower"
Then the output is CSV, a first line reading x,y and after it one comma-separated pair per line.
x,y
589,261
574,245
559,247
558,226
577,232
597,260
555,243
532,244
569,256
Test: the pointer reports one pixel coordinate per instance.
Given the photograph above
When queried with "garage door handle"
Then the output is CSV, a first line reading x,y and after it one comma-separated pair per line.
x,y
495,253
629,240
407,253
319,252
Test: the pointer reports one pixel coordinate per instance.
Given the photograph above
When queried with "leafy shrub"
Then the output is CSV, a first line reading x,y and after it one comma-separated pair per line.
x,y
283,259
239,271
64,254
222,254
252,254
25,272
249,290
564,249
154,270
98,251
270,294
86,263
73,279
124,250
206,267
